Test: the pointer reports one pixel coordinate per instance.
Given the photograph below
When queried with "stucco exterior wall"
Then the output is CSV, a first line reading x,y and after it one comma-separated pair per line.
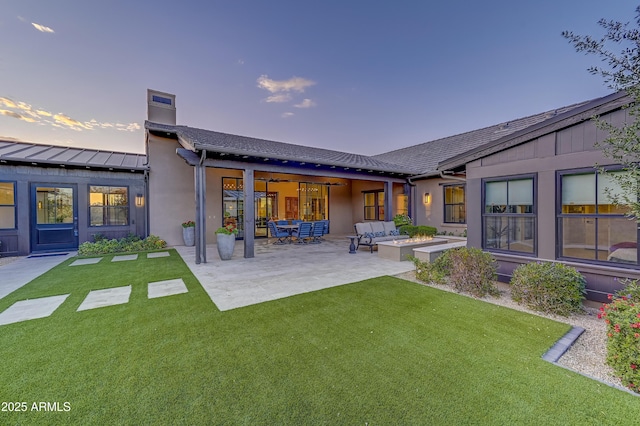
x,y
432,213
171,190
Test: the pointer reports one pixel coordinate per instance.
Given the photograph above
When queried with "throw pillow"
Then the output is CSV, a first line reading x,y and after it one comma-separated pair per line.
x,y
369,235
380,234
394,232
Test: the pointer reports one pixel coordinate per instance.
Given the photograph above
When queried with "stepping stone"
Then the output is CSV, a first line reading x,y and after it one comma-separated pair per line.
x,y
31,309
166,288
89,261
107,297
157,254
124,257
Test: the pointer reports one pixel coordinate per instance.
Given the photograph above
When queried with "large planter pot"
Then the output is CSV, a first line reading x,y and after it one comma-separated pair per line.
x,y
189,236
226,244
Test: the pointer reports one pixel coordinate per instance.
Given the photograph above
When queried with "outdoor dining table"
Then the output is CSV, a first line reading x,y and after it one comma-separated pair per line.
x,y
289,228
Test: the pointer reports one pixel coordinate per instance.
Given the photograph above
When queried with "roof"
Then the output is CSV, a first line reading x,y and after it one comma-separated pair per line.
x,y
199,139
426,156
37,154
581,112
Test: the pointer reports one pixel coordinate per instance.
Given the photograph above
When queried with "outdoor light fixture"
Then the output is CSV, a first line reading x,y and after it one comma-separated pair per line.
x,y
139,200
427,198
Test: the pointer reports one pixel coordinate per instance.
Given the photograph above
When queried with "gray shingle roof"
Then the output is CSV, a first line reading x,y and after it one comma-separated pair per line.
x,y
426,156
23,152
243,145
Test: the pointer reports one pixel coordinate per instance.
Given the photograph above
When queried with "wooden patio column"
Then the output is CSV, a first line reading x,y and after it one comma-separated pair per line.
x,y
388,200
201,230
249,212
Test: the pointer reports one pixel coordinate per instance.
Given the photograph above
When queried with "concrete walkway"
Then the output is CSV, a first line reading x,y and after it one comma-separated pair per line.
x,y
286,270
18,273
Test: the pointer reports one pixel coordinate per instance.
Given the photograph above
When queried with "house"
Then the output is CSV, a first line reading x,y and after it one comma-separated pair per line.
x,y
525,190
52,198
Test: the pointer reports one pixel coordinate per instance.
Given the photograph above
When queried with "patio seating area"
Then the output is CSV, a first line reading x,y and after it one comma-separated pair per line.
x,y
284,270
304,232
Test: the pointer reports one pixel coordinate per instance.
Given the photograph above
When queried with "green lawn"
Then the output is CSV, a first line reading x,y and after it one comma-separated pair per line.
x,y
381,351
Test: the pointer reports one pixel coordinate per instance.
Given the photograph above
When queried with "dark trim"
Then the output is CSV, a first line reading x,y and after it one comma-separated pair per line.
x,y
14,205
92,227
444,202
560,216
533,176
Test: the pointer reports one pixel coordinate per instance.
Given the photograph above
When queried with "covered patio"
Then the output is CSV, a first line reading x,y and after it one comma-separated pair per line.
x,y
279,271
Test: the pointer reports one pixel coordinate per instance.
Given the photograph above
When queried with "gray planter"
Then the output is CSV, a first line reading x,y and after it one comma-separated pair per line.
x,y
226,244
189,236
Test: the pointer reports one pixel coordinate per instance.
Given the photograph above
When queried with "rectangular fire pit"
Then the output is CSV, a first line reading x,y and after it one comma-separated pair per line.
x,y
401,249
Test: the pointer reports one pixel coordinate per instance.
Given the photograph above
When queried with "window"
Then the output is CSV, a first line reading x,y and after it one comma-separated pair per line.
x,y
590,226
509,217
108,205
161,100
374,205
454,204
7,205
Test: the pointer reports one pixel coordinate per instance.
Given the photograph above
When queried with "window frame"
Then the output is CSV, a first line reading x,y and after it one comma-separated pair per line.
x,y
377,206
597,215
14,205
89,206
508,215
445,204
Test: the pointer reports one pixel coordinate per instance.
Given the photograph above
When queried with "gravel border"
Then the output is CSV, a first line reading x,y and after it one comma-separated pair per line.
x,y
7,260
586,356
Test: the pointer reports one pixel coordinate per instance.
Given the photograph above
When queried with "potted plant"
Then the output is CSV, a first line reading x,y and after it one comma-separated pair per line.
x,y
226,236
189,233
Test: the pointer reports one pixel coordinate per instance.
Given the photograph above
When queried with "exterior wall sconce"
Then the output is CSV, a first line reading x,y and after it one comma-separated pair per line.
x,y
427,198
139,200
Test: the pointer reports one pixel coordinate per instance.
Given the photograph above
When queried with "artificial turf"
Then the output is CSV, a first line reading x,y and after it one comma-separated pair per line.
x,y
381,351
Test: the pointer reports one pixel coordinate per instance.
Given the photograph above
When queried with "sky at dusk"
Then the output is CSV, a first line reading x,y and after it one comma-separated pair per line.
x,y
357,76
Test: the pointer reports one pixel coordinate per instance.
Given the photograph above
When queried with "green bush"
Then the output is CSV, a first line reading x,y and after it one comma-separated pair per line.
x,y
548,287
413,230
433,272
473,271
622,316
130,243
401,219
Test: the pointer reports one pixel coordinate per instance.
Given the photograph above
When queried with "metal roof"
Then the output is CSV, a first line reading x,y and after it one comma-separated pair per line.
x,y
36,154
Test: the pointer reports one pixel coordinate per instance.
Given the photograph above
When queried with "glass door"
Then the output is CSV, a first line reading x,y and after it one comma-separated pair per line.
x,y
54,218
233,204
314,201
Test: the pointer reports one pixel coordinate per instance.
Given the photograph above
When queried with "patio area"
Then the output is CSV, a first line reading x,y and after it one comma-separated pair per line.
x,y
279,271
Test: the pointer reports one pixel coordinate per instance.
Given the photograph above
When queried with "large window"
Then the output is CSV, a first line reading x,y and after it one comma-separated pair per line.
x,y
109,205
509,218
7,205
374,205
590,225
454,204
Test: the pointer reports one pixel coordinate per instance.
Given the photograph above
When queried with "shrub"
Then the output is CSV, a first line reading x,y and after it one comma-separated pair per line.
x,y
473,271
548,287
130,243
433,272
401,219
413,230
622,316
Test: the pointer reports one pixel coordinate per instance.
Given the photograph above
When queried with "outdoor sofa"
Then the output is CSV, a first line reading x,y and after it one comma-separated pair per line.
x,y
371,233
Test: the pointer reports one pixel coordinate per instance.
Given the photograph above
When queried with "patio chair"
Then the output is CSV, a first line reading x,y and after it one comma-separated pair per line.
x,y
296,222
317,232
282,222
303,232
325,229
282,236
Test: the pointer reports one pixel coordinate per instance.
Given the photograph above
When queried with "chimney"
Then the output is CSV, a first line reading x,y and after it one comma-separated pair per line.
x,y
161,107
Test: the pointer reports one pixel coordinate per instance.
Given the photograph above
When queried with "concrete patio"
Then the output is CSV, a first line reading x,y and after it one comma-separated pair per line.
x,y
279,271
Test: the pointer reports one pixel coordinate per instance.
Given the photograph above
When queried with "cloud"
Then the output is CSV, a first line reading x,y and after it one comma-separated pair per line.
x,y
20,18
280,97
240,61
287,114
10,138
42,28
306,103
24,111
295,84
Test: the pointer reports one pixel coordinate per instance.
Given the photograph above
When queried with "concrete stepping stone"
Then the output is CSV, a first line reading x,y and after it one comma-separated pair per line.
x,y
157,254
124,257
31,309
166,288
106,297
89,261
